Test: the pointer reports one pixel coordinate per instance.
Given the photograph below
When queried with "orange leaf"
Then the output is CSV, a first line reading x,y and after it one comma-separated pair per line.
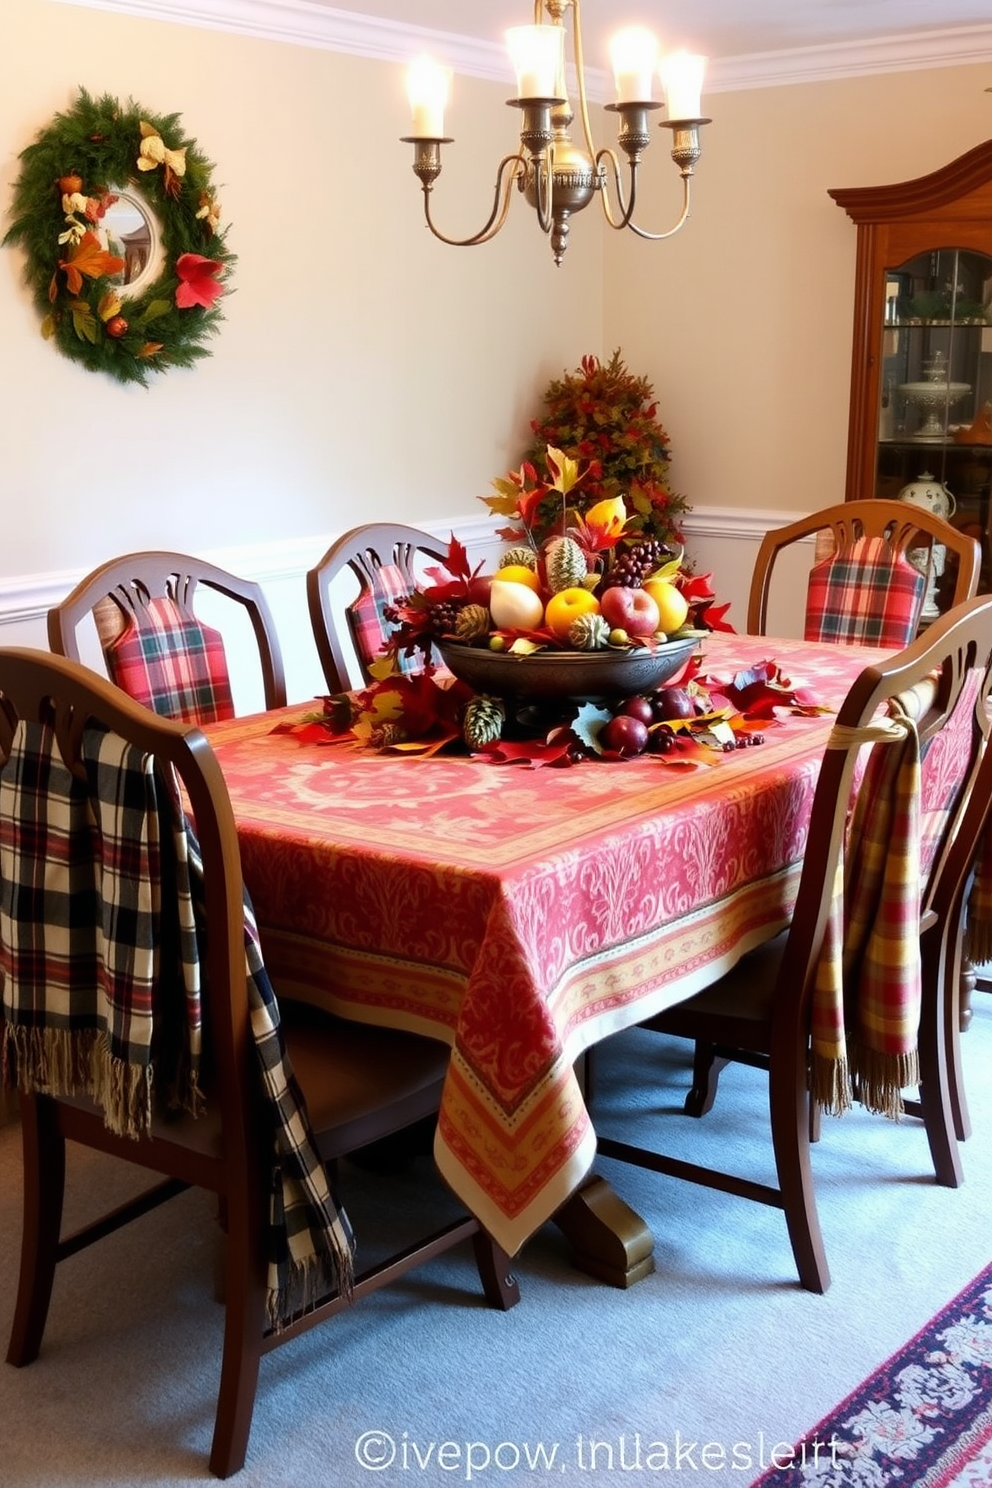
x,y
88,258
151,348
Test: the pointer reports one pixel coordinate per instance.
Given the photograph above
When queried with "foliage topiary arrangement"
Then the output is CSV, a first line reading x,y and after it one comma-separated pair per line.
x,y
605,417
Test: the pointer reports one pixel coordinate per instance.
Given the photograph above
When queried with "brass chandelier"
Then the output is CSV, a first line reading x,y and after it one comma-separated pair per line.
x,y
557,176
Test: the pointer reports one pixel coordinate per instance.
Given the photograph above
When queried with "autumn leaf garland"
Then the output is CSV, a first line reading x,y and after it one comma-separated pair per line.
x,y
69,178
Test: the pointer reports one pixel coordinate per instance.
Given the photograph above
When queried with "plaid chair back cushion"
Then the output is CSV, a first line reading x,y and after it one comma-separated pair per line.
x,y
863,594
368,625
172,663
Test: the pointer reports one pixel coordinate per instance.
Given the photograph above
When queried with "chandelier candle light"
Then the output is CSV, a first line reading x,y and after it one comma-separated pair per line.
x,y
557,176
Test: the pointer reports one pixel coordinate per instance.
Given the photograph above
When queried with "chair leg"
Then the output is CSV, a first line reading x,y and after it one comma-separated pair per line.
x,y
935,1086
706,1067
44,1190
244,1325
789,1108
495,1272
952,1056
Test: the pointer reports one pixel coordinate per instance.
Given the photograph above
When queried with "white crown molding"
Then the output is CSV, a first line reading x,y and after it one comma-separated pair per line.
x,y
303,23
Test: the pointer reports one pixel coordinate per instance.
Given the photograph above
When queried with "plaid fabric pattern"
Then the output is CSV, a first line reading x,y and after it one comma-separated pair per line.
x,y
81,929
92,956
864,595
867,991
172,663
367,621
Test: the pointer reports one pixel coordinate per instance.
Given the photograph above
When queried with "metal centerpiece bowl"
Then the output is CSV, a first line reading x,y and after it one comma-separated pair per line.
x,y
575,676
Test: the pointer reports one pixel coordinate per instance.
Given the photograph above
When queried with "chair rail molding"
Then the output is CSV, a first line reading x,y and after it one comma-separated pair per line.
x,y
304,23
27,598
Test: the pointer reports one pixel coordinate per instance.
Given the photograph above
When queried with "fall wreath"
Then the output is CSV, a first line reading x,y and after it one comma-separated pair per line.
x,y
80,273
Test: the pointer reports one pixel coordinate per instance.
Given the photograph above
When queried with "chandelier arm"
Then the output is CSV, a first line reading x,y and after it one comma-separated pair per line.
x,y
580,72
658,237
627,210
501,203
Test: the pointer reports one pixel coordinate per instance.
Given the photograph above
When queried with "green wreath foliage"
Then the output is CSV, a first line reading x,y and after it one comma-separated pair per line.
x,y
97,143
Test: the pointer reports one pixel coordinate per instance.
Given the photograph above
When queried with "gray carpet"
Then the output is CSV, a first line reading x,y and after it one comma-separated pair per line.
x,y
720,1346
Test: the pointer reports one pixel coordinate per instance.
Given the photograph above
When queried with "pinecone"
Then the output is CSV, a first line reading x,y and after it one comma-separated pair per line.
x,y
526,557
444,616
631,566
387,734
472,622
565,564
483,721
588,633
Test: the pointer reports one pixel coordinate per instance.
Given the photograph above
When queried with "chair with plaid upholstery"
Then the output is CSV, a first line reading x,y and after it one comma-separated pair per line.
x,y
862,586
155,646
127,1031
384,560
857,999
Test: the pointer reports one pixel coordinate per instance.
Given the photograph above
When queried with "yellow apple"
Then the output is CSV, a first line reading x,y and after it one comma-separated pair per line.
x,y
565,606
673,607
514,606
518,573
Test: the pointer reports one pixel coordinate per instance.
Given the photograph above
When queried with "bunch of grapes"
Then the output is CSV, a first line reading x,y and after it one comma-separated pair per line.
x,y
631,566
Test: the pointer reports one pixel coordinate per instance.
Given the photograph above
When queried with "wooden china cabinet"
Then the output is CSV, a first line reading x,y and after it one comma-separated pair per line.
x,y
921,376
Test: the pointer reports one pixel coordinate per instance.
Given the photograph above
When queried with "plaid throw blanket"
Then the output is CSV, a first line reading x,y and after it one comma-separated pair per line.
x,y
867,990
100,978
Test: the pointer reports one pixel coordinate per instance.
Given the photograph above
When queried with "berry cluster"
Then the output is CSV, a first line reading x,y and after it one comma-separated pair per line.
x,y
631,566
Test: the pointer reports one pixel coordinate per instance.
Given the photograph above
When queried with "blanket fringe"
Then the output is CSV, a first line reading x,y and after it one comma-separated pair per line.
x,y
830,1084
313,1281
63,1061
881,1079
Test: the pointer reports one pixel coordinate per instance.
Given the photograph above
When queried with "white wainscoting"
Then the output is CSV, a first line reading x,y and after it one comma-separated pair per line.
x,y
720,540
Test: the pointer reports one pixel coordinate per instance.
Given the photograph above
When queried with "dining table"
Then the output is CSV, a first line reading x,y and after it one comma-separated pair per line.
x,y
524,914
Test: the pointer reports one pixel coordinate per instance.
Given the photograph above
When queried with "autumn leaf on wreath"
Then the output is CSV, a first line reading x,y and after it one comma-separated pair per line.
x,y
91,259
198,282
155,311
83,321
150,349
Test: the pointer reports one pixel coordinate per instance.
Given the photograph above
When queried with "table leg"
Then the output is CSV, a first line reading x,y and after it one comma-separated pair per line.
x,y
608,1240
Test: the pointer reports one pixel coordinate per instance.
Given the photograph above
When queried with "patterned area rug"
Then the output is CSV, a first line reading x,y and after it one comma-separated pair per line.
x,y
923,1420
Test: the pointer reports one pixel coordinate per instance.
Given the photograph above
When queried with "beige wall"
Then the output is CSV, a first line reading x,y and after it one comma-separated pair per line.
x,y
364,370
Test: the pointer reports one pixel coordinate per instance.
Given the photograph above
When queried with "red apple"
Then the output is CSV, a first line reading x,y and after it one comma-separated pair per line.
x,y
673,702
479,589
624,735
632,610
637,707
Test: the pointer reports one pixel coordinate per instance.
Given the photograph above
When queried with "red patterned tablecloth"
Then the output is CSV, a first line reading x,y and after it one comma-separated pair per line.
x,y
519,914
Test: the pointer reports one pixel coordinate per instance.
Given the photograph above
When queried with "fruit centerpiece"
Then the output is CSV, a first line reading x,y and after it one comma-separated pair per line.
x,y
592,610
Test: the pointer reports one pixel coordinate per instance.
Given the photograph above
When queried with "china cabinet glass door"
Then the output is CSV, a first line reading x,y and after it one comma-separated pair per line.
x,y
921,371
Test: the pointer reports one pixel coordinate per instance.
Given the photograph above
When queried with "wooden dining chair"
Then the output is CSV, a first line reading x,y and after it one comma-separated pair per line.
x,y
383,561
780,1007
862,587
154,644
104,972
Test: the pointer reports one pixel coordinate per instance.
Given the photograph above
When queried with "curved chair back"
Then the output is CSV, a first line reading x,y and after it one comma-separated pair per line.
x,y
155,646
858,998
349,627
128,1030
864,587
